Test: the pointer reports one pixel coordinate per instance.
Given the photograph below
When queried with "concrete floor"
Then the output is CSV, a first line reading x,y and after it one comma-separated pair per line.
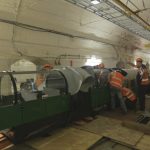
x,y
108,124
117,114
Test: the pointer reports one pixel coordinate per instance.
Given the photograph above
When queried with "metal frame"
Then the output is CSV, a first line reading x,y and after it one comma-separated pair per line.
x,y
113,13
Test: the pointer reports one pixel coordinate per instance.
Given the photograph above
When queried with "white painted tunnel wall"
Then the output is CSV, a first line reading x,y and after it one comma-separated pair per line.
x,y
60,16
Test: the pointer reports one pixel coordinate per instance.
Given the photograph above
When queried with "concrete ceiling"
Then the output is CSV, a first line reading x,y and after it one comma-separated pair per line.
x,y
99,37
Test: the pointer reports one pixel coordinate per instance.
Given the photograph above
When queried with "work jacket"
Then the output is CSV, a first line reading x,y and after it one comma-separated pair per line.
x,y
129,94
143,76
116,79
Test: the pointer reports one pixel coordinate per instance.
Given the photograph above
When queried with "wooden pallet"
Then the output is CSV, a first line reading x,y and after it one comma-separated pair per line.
x,y
5,143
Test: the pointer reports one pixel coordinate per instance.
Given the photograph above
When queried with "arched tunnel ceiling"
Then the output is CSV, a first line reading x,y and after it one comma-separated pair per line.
x,y
140,7
60,16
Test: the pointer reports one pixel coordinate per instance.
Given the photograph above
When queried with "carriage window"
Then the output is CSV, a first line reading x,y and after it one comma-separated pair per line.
x,y
6,91
55,83
26,86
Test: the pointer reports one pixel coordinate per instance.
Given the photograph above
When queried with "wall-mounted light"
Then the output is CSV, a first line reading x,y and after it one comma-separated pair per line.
x,y
95,2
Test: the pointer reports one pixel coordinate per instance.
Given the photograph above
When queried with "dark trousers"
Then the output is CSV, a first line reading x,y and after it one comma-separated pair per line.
x,y
142,91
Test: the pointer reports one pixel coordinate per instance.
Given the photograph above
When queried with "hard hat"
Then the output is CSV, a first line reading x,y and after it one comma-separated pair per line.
x,y
139,60
49,66
101,65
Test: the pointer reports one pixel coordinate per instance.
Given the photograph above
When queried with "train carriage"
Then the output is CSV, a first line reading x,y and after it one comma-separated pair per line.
x,y
65,94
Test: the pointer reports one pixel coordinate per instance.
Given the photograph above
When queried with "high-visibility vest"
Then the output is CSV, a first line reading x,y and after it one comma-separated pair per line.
x,y
145,78
129,94
116,79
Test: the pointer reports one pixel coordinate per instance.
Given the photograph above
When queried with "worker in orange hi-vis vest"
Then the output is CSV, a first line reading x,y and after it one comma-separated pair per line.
x,y
126,92
116,80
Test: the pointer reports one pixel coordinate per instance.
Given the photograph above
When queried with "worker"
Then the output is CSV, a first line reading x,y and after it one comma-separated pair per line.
x,y
126,92
101,66
47,67
40,79
39,83
129,97
116,80
120,64
103,75
143,82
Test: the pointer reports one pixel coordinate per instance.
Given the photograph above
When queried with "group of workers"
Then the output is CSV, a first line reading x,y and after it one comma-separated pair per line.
x,y
116,80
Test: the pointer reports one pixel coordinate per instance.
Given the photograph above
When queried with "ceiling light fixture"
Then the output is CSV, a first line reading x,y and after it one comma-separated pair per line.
x,y
95,2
